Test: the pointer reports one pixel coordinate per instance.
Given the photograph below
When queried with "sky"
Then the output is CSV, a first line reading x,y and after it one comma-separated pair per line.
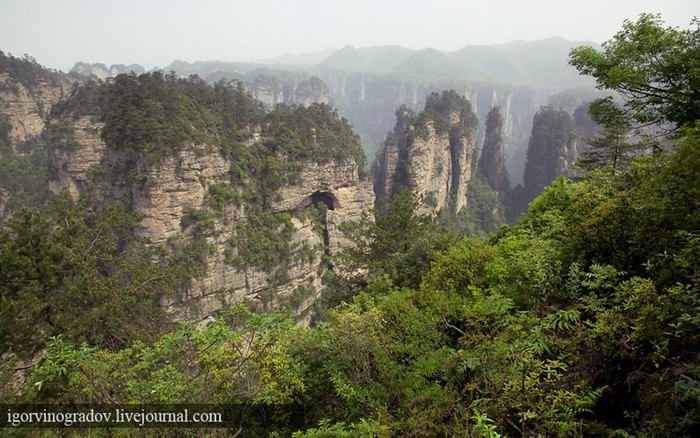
x,y
153,33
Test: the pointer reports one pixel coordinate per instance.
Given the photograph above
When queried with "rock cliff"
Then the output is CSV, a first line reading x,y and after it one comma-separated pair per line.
x,y
430,154
369,102
101,71
181,184
28,93
26,103
552,150
265,214
288,89
492,163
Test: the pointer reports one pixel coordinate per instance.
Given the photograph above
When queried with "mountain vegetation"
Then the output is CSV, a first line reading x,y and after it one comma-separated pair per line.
x,y
552,146
492,162
581,319
653,67
24,165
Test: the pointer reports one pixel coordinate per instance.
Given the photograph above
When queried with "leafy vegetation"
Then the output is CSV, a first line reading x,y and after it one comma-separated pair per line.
x,y
264,241
613,148
440,107
654,68
23,175
24,70
59,259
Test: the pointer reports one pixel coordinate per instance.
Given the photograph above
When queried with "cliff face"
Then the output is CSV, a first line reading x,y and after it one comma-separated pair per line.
x,y
430,154
28,92
101,71
180,185
27,106
74,154
272,251
492,163
369,102
289,90
552,150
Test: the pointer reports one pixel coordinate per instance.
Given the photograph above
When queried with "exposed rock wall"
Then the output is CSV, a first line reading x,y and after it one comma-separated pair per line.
x,y
74,155
369,102
288,90
430,154
492,163
27,107
552,150
101,71
180,183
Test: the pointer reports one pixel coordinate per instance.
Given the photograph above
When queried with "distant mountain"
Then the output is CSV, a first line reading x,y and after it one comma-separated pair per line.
x,y
101,71
375,59
347,59
536,63
543,62
206,68
302,59
429,63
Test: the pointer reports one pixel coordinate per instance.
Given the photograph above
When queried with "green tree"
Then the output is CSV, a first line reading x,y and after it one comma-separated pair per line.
x,y
63,271
398,242
656,70
613,147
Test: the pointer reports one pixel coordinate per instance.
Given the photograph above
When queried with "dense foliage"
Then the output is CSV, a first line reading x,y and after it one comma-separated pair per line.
x,y
154,115
60,259
441,107
613,147
24,70
654,68
23,175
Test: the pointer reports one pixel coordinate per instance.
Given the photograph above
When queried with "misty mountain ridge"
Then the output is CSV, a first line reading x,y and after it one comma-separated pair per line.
x,y
516,63
300,59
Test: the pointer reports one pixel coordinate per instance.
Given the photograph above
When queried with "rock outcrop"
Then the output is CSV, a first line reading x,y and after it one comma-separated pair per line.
x,y
291,89
75,152
101,71
552,150
369,102
28,92
27,105
309,209
492,163
430,154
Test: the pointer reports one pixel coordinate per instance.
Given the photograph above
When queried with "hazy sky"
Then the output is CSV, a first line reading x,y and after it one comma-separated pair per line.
x,y
59,33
